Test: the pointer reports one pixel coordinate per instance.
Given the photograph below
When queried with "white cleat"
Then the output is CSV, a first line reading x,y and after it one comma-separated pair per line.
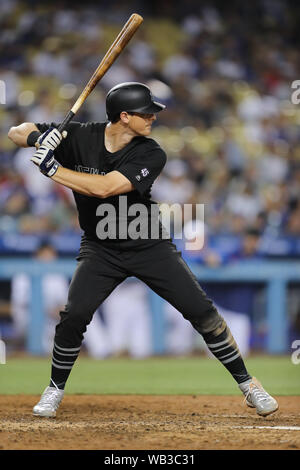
x,y
48,403
257,397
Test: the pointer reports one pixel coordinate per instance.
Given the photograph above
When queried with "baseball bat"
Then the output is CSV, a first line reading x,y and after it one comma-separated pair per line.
x,y
111,55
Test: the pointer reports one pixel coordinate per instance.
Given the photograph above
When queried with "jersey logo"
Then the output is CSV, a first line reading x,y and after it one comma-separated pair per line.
x,y
87,169
145,172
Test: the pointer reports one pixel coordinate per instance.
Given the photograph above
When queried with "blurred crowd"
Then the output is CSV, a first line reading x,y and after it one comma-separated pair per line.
x,y
225,71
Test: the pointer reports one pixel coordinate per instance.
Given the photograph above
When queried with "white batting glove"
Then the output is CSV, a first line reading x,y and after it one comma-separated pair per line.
x,y
44,158
51,138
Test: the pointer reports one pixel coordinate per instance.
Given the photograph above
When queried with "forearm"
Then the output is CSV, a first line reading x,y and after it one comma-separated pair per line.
x,y
83,183
19,134
100,186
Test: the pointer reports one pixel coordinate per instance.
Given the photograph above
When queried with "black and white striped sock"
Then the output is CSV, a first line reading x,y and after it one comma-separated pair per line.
x,y
225,349
63,360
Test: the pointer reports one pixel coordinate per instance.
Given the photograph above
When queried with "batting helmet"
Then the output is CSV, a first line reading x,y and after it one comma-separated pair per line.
x,y
131,97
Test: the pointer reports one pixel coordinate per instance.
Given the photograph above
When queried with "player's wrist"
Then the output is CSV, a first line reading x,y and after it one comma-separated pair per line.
x,y
53,169
33,138
50,165
44,158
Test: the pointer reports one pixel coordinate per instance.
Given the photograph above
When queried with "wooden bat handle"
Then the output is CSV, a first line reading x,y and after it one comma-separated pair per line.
x,y
113,52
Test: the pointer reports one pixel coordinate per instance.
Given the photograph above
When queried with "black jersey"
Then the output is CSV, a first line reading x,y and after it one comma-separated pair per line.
x,y
114,221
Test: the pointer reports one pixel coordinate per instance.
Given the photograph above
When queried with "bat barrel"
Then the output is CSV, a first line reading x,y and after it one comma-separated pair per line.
x,y
111,55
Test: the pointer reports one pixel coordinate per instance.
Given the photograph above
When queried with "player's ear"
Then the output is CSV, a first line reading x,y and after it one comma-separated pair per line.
x,y
124,117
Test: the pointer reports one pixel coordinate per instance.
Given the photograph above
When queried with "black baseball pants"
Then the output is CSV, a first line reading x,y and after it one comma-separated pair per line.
x,y
100,270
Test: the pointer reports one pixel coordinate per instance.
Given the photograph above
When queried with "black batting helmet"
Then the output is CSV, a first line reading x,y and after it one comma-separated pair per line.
x,y
131,97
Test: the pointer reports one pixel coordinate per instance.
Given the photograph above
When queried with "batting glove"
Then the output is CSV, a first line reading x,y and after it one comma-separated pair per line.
x,y
51,138
44,158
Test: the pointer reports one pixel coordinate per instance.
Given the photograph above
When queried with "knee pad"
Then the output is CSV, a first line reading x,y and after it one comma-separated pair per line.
x,y
209,322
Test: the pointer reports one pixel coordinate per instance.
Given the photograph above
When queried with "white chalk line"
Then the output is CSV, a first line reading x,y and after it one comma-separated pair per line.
x,y
287,428
48,423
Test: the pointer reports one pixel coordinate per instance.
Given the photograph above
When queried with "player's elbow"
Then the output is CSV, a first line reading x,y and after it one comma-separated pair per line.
x,y
109,185
18,134
17,137
12,133
101,192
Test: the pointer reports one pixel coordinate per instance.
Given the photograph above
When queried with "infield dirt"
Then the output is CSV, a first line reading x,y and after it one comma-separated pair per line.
x,y
119,422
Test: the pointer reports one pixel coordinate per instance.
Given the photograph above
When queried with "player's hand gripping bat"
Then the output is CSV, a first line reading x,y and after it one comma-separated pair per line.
x,y
113,52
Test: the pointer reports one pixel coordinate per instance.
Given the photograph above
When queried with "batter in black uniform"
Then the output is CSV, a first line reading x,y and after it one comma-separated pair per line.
x,y
111,166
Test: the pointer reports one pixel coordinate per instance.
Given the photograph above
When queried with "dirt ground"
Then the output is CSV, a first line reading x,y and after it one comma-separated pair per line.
x,y
148,422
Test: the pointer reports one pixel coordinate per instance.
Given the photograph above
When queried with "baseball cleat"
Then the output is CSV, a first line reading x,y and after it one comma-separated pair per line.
x,y
257,397
48,403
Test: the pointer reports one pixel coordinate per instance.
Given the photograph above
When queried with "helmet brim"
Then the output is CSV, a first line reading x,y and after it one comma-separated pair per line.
x,y
152,108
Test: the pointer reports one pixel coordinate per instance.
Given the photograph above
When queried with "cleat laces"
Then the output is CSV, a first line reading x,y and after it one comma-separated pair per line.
x,y
49,398
258,394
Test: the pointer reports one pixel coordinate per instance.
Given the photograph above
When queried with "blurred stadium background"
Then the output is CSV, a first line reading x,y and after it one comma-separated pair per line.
x,y
231,132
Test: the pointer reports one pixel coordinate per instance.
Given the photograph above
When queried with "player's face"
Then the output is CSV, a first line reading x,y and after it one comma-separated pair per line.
x,y
141,124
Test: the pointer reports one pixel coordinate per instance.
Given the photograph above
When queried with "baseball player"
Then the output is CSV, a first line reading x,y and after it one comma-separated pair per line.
x,y
110,165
